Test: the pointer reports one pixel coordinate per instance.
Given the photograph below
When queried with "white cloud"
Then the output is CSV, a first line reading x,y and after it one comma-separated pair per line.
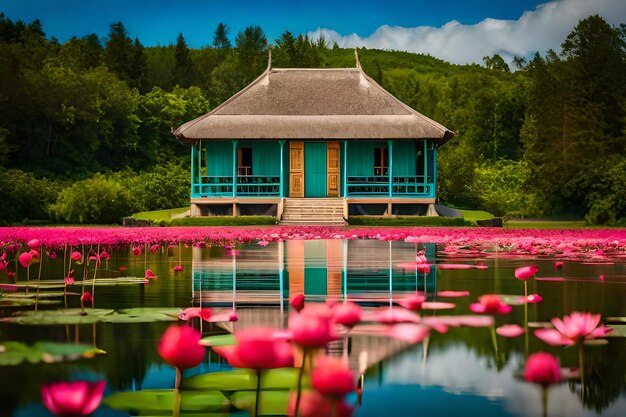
x,y
539,30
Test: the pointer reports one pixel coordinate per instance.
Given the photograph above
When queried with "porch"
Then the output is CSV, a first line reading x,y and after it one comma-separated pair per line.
x,y
240,170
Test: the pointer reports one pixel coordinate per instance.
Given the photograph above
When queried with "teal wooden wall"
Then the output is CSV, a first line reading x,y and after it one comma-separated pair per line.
x,y
361,158
219,158
403,159
315,169
265,157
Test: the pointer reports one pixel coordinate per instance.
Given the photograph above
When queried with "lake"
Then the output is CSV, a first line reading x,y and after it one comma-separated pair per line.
x,y
460,370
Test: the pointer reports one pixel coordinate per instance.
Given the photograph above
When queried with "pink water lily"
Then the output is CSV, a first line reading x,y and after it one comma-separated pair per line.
x,y
558,265
347,314
572,329
413,302
409,332
257,348
34,244
155,248
543,369
136,250
390,315
452,294
76,256
192,312
149,274
297,302
179,347
178,268
490,304
526,272
332,376
313,326
72,399
510,330
25,259
531,299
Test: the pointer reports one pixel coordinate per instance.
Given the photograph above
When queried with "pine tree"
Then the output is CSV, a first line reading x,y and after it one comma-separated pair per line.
x,y
182,73
220,37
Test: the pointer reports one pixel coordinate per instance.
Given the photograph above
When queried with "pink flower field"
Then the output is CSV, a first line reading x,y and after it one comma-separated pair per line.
x,y
596,243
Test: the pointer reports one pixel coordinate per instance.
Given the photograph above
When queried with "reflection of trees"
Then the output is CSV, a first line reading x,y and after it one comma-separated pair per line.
x,y
131,348
605,373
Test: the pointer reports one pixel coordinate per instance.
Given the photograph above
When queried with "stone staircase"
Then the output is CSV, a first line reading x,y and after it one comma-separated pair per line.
x,y
313,211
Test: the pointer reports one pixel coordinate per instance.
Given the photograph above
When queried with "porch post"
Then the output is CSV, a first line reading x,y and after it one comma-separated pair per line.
x,y
282,176
235,169
194,151
345,168
434,190
425,164
390,146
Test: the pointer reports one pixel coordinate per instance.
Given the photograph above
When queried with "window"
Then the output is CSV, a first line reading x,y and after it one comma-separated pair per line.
x,y
244,161
381,161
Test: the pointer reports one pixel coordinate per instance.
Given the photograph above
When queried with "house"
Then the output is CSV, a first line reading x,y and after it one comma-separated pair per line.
x,y
313,145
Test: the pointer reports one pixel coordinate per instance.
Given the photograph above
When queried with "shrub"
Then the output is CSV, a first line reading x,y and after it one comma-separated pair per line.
x,y
24,196
504,188
95,200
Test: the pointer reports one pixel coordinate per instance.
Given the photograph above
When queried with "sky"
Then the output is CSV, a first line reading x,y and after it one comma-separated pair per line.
x,y
458,31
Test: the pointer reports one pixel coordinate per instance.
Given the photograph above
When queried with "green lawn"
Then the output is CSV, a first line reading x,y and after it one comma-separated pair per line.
x,y
475,214
546,224
159,215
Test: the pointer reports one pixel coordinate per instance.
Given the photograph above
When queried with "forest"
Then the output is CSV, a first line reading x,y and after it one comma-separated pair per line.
x,y
85,125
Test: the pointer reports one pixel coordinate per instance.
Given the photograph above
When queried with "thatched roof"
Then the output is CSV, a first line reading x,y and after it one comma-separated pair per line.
x,y
296,103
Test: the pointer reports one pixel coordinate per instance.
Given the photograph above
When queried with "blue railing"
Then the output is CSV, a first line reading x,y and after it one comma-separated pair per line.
x,y
378,185
247,186
258,185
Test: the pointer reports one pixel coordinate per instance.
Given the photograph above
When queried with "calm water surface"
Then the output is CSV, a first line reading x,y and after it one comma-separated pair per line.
x,y
460,372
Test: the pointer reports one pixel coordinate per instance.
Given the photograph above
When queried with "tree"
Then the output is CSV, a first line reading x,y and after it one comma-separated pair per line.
x,y
182,72
496,62
138,67
220,37
118,51
250,49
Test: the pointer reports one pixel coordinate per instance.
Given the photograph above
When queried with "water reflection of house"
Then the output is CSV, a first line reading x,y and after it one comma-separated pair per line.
x,y
258,281
353,269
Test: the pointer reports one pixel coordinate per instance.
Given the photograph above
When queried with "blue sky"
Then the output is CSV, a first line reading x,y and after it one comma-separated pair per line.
x,y
446,29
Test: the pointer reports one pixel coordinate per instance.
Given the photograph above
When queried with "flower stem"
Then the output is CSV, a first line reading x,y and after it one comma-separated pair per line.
x,y
304,355
257,398
38,278
176,406
525,291
494,340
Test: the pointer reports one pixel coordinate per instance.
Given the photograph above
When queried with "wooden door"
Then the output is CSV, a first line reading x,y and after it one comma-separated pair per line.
x,y
296,169
332,170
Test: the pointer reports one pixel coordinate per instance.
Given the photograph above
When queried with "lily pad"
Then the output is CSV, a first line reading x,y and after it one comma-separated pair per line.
x,y
619,330
69,316
14,353
16,302
159,401
271,403
143,315
243,379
